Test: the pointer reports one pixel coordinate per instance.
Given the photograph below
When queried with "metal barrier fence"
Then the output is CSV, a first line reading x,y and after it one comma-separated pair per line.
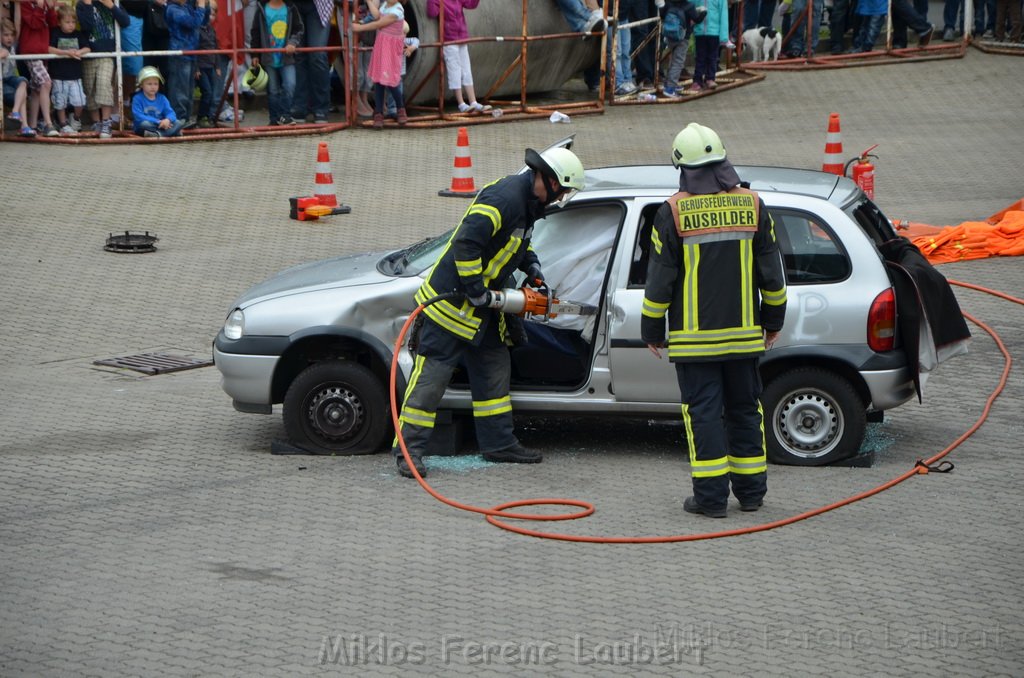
x,y
524,62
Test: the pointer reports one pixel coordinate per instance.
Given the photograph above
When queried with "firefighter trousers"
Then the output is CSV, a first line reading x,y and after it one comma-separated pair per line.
x,y
724,430
489,369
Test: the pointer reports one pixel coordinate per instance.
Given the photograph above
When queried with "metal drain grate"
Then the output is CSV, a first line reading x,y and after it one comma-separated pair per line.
x,y
155,363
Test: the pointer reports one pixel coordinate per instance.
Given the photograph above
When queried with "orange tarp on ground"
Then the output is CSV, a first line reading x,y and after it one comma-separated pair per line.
x,y
1002,234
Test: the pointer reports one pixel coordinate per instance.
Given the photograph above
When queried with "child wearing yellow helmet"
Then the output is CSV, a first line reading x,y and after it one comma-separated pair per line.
x,y
152,113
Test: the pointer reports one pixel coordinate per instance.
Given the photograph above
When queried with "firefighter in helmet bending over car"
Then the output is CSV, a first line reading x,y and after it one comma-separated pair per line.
x,y
715,270
489,245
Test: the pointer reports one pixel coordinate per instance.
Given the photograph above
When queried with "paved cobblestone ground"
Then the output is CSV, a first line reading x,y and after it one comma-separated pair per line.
x,y
146,530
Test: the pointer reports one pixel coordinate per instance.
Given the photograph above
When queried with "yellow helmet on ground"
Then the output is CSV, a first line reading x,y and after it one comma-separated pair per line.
x,y
696,146
147,72
255,79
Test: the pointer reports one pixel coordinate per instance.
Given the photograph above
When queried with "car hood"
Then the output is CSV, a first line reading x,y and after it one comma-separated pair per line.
x,y
346,271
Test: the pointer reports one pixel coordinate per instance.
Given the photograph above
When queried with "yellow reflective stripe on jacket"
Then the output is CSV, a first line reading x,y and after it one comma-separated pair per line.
x,y
774,297
748,465
653,309
459,321
471,267
691,261
713,350
724,334
489,408
746,285
656,240
502,256
410,415
489,212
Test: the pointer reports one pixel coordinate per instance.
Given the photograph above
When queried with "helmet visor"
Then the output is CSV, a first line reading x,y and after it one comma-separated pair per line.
x,y
563,196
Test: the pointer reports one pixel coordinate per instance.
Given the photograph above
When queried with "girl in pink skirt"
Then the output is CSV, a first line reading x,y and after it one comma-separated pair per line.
x,y
385,68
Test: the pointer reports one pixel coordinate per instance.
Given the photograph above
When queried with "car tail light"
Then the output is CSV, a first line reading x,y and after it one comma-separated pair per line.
x,y
882,322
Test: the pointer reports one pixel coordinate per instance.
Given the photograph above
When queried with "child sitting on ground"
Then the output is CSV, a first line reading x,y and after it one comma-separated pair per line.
x,y
152,112
15,87
67,41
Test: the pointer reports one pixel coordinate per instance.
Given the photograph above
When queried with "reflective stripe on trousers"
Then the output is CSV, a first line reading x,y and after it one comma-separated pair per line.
x,y
489,368
724,430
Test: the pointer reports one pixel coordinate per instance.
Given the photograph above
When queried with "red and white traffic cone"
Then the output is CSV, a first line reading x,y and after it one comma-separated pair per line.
x,y
462,175
323,189
833,162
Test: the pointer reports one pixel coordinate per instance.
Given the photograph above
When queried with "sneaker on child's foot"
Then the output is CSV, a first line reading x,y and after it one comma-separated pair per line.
x,y
628,87
67,130
27,131
49,131
479,107
105,132
75,123
464,108
150,134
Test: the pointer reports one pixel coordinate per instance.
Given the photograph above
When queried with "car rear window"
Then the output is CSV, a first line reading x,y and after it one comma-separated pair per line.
x,y
810,250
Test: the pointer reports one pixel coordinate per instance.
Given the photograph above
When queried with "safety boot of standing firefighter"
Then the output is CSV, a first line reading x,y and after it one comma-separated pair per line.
x,y
514,454
406,472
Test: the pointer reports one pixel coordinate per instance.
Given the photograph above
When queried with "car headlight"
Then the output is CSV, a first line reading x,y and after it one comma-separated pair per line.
x,y
234,326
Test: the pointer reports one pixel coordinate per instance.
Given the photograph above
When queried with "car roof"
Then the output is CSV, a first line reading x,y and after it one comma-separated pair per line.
x,y
662,178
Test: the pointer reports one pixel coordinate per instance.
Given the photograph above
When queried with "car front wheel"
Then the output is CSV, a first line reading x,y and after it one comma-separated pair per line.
x,y
336,407
812,417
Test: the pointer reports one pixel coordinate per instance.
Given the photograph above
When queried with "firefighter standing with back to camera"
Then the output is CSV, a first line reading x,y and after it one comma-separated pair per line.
x,y
716,271
489,245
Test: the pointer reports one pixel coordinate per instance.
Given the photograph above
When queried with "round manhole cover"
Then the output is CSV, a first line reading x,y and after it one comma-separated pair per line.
x,y
131,242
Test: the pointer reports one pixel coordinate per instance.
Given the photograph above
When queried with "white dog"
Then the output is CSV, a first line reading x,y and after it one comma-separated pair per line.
x,y
764,43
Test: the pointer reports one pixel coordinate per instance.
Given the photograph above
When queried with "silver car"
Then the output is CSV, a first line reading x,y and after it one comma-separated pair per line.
x,y
319,337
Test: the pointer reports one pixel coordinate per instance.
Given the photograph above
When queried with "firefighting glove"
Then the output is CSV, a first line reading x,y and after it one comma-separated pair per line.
x,y
534,276
479,301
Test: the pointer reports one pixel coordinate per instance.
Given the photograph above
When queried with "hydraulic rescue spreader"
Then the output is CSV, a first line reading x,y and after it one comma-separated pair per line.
x,y
528,302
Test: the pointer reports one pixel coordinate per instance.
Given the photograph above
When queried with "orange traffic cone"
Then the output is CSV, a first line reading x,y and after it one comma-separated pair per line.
x,y
833,162
324,184
462,175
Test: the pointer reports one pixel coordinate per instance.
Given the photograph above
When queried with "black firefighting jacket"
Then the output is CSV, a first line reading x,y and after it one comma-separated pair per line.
x,y
716,270
491,242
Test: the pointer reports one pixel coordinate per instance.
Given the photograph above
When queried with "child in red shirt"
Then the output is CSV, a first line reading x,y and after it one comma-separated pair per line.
x,y
37,18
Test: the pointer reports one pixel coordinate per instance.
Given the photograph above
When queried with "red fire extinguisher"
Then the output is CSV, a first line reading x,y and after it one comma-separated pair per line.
x,y
864,171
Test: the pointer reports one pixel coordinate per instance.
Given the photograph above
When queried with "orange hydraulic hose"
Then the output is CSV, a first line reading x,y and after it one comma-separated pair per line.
x,y
496,514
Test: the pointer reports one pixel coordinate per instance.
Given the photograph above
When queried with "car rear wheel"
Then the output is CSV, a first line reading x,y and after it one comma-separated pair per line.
x,y
336,407
813,417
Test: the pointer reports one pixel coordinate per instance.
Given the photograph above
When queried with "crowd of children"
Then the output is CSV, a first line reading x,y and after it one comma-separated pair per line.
x,y
49,96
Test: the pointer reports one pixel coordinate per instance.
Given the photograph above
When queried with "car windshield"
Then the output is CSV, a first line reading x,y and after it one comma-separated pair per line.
x,y
412,260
